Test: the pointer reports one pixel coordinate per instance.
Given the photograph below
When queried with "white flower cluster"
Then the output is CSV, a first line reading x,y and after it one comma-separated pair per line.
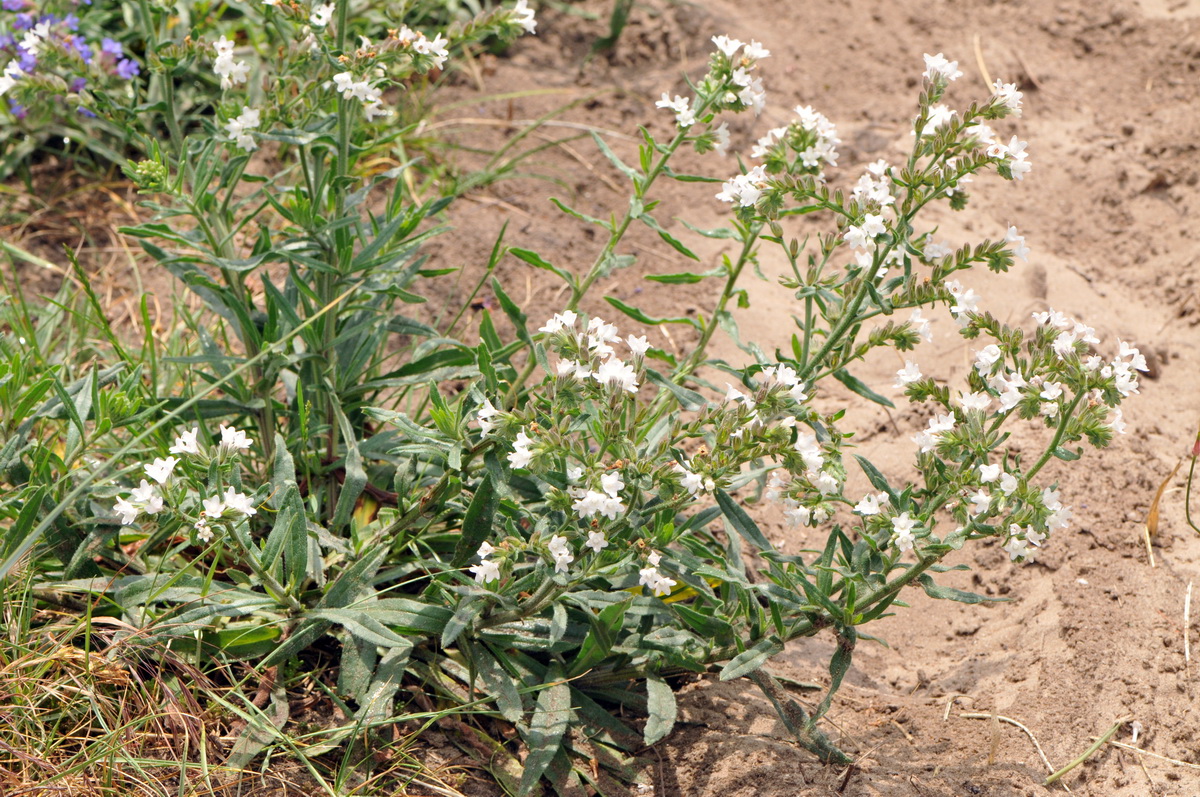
x,y
936,66
239,128
605,502
522,15
370,96
421,44
745,189
650,577
231,72
487,569
824,147
321,15
601,364
147,499
819,137
9,77
750,91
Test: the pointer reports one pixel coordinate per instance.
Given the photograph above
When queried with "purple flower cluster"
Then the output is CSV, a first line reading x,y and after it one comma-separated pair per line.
x,y
34,41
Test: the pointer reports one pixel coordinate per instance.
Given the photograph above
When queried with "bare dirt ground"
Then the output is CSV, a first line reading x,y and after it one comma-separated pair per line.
x,y
1092,632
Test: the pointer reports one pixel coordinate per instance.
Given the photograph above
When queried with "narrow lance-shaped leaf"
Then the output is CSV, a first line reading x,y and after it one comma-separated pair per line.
x,y
546,730
661,701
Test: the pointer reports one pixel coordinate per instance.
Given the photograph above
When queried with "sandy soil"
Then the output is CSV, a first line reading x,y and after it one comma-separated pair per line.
x,y
1091,633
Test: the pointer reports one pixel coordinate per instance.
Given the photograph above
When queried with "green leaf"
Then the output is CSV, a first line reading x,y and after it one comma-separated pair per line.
x,y
615,161
464,615
874,476
682,278
950,593
741,522
752,659
477,525
671,240
547,727
688,399
1067,455
858,386
570,211
499,682
536,260
638,315
605,627
512,311
661,701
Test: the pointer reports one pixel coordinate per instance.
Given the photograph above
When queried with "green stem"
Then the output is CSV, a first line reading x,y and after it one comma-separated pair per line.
x,y
1103,740
1058,435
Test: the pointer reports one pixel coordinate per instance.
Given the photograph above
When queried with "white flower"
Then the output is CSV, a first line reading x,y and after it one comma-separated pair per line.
x,y
1008,96
611,483
663,586
597,503
186,443
485,550
1018,164
558,545
204,532
522,14
559,321
975,401
435,48
869,505
160,469
321,15
234,439
1008,483
521,456
938,66
1116,421
989,473
596,541
12,73
921,325
485,571
903,526
1137,360
485,415
639,346
1051,391
213,506
721,139
147,498
939,115
239,502
980,502
987,357
755,51
726,45
126,510
1020,250
908,374
1016,548
681,106
615,373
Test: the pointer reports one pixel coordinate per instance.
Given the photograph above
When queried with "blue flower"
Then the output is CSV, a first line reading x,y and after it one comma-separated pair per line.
x,y
112,47
128,69
17,110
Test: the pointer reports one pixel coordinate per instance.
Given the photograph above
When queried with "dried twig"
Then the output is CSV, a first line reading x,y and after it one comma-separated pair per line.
x,y
989,715
983,70
1175,761
1187,633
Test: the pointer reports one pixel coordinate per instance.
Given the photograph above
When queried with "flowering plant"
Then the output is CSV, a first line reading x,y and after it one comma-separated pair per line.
x,y
568,544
